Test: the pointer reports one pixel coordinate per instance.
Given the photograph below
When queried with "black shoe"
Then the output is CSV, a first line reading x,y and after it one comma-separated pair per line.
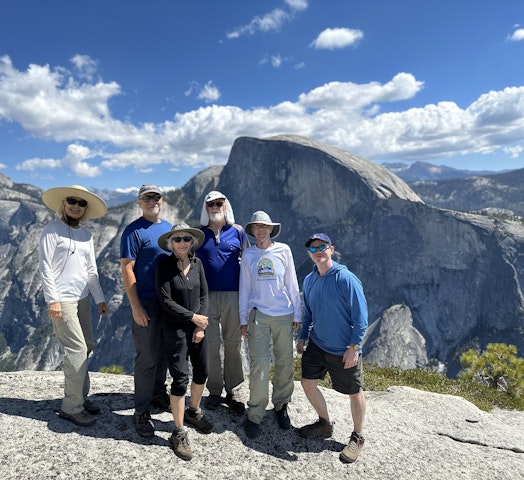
x,y
252,429
198,420
213,402
162,402
234,405
283,418
82,419
143,424
91,407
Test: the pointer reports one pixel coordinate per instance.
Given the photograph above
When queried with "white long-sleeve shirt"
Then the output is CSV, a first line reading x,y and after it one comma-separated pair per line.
x,y
67,263
268,281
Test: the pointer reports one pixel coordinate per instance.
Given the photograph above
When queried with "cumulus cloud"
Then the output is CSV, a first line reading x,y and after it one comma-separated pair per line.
x,y
49,104
271,21
210,93
517,35
333,38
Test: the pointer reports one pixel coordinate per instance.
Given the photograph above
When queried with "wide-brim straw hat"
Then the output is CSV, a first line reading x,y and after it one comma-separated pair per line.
x,y
53,198
163,240
265,219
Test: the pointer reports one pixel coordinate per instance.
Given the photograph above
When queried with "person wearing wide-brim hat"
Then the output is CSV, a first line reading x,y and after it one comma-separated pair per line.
x,y
183,293
270,310
67,266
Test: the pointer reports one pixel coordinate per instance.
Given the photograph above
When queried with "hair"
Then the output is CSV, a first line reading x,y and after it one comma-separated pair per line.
x,y
191,252
65,218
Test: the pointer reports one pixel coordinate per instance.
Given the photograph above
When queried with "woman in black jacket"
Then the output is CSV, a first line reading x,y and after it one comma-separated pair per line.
x,y
182,290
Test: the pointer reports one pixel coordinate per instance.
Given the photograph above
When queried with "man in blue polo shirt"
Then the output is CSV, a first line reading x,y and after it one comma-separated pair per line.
x,y
220,254
139,253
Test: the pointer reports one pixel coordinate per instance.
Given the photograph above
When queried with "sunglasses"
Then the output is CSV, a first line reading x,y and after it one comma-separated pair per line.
x,y
320,248
179,239
213,204
151,198
74,201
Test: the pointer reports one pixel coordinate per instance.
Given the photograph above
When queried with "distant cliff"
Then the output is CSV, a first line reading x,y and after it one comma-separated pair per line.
x,y
437,281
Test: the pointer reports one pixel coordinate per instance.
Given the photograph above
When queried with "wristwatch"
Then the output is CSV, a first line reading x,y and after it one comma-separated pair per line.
x,y
355,348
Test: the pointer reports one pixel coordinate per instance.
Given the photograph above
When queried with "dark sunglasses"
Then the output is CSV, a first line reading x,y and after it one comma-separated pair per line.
x,y
179,239
212,204
151,198
74,201
320,248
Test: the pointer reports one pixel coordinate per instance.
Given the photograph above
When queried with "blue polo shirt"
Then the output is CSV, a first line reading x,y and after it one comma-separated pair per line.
x,y
139,242
221,259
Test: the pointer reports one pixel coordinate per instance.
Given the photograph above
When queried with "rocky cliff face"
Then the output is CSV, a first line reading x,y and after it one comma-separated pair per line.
x,y
436,281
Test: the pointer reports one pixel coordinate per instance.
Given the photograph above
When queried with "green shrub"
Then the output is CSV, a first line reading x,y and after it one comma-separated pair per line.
x,y
498,367
115,369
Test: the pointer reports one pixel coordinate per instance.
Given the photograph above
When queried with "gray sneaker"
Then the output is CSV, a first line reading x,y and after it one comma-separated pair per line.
x,y
320,429
180,443
353,448
198,420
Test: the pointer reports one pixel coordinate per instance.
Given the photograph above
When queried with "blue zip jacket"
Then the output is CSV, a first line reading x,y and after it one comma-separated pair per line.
x,y
335,309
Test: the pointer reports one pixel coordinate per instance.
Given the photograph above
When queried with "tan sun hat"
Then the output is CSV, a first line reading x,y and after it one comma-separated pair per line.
x,y
53,198
163,240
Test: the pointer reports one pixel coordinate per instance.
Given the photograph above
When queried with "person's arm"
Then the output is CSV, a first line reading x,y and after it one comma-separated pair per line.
x,y
291,284
140,315
46,250
244,293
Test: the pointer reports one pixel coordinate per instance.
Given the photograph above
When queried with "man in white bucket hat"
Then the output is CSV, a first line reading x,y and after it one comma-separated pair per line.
x,y
67,265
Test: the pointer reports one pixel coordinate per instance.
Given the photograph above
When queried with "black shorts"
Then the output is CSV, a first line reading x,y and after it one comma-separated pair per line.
x,y
316,363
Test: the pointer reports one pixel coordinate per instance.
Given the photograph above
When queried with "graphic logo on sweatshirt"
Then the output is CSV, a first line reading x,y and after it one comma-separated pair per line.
x,y
265,268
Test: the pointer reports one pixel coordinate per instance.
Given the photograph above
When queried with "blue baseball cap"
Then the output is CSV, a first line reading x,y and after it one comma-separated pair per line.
x,y
318,236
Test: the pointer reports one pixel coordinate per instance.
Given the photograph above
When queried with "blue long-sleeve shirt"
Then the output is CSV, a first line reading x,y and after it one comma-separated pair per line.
x,y
335,309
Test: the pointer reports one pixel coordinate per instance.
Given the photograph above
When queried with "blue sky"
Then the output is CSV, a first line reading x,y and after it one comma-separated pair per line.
x,y
116,93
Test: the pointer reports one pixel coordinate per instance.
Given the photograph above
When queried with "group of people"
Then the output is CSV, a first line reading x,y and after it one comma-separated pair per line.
x,y
194,292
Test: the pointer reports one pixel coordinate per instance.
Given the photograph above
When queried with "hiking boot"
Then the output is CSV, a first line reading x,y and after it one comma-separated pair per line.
x,y
180,443
252,429
82,419
91,407
143,424
320,429
213,402
161,402
353,449
198,420
283,418
234,405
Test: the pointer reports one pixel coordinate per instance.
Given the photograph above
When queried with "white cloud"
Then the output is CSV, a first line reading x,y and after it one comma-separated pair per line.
x,y
517,35
49,105
332,38
209,93
270,22
85,66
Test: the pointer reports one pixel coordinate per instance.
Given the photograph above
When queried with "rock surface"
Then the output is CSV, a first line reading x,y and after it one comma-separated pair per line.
x,y
410,434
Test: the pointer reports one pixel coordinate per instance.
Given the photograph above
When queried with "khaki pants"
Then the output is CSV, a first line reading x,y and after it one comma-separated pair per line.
x,y
263,332
75,334
224,329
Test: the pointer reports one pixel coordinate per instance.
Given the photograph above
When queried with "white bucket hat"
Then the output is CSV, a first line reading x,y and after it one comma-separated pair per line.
x,y
53,198
264,218
216,195
163,240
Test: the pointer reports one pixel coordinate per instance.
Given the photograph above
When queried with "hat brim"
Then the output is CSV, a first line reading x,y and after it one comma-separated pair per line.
x,y
163,240
53,198
274,233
